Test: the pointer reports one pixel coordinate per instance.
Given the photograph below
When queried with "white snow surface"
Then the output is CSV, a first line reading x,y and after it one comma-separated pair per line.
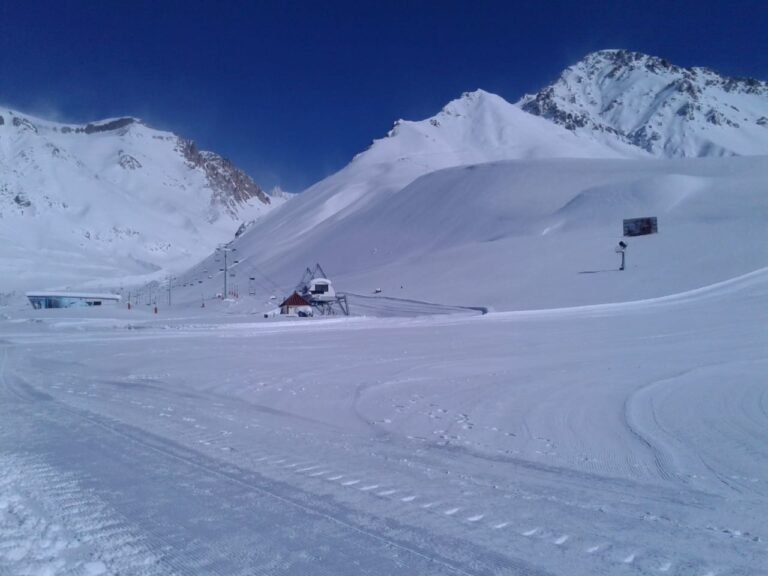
x,y
624,438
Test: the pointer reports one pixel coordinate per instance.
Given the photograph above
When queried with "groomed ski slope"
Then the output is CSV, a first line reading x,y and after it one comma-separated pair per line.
x,y
624,438
518,234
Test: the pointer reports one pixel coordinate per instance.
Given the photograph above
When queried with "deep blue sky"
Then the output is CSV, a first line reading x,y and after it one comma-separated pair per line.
x,y
290,91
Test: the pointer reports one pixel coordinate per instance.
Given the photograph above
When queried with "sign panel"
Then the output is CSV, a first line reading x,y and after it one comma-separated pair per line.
x,y
640,226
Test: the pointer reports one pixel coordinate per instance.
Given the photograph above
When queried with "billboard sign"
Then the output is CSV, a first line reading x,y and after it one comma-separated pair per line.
x,y
640,226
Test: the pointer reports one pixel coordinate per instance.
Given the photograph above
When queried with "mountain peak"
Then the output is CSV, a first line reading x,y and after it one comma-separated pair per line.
x,y
622,56
478,127
469,102
649,102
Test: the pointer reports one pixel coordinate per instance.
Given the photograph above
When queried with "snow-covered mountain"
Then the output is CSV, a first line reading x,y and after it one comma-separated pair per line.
x,y
476,128
521,234
110,199
516,234
612,104
452,194
648,102
487,204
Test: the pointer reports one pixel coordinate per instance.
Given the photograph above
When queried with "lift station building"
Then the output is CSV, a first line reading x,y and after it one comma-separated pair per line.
x,y
70,299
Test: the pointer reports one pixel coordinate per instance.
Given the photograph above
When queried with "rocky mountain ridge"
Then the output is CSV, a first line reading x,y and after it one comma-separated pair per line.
x,y
231,187
664,109
116,193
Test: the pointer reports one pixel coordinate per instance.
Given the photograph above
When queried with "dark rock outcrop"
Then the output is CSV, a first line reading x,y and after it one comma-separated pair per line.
x,y
231,186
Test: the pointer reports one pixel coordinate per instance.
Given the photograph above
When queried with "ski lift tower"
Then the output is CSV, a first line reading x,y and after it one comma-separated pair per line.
x,y
225,249
318,290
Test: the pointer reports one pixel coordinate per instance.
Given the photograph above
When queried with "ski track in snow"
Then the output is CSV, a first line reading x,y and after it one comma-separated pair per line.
x,y
50,525
462,482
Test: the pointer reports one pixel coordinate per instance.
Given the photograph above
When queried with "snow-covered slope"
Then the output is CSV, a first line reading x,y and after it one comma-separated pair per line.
x,y
487,205
525,234
95,203
478,127
667,110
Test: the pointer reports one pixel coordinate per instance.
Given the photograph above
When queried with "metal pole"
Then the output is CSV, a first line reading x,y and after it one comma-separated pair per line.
x,y
225,273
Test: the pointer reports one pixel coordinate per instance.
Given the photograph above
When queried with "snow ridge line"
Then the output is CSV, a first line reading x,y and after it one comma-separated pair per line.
x,y
759,276
634,425
631,421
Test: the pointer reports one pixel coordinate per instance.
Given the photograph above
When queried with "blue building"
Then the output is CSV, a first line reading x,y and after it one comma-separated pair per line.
x,y
69,299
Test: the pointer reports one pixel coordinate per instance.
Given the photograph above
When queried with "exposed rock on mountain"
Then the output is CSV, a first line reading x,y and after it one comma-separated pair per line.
x,y
231,186
648,102
115,197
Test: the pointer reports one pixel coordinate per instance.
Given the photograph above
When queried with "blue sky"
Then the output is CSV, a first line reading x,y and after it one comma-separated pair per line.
x,y
290,91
